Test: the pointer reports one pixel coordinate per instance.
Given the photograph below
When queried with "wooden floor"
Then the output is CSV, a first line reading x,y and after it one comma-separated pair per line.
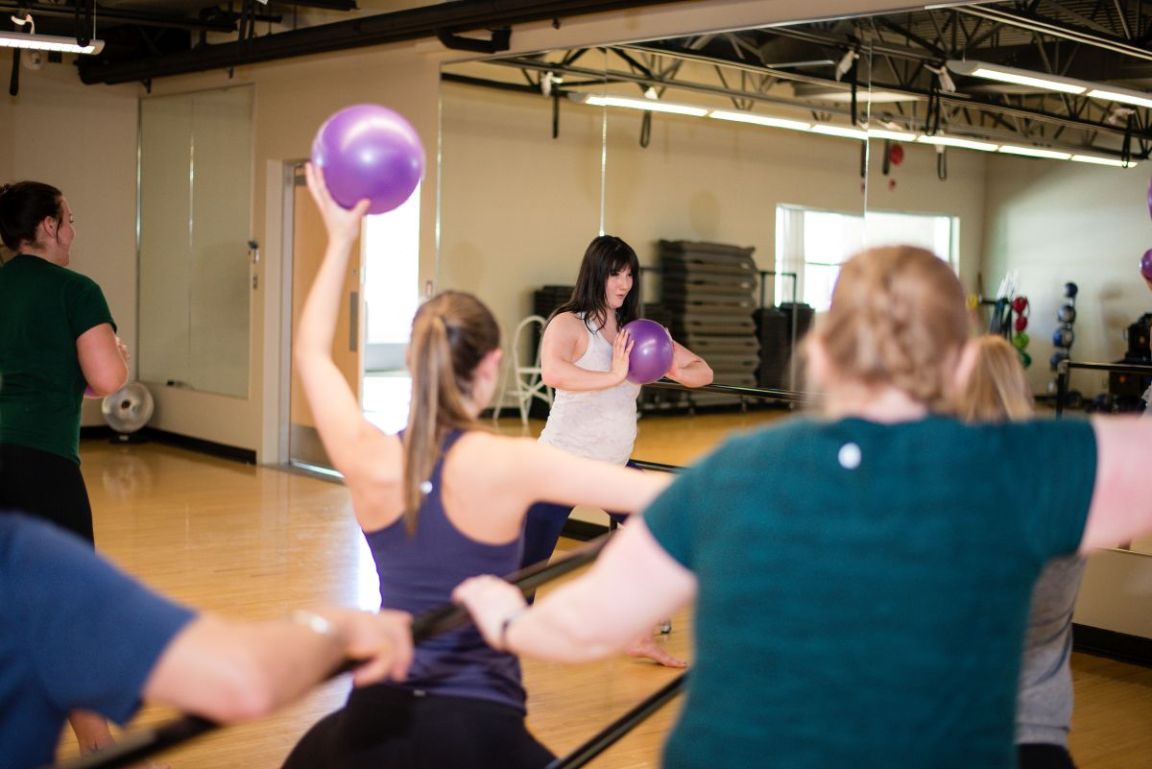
x,y
256,542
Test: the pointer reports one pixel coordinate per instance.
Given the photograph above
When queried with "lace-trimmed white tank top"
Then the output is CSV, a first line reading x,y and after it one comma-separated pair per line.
x,y
596,424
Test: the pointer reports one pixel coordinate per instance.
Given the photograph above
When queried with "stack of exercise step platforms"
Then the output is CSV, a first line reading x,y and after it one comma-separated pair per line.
x,y
710,291
777,345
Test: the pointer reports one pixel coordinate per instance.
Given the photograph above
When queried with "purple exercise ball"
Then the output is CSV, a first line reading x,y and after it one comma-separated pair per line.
x,y
1146,265
652,349
369,151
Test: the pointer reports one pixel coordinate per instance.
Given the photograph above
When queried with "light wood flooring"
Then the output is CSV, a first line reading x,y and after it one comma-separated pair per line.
x,y
256,542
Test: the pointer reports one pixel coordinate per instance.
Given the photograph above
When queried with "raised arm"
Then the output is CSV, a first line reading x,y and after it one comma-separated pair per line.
x,y
1121,508
565,340
103,359
632,585
370,460
233,671
688,368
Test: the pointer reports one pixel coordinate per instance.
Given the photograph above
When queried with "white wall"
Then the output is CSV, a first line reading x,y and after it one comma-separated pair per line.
x,y
1053,222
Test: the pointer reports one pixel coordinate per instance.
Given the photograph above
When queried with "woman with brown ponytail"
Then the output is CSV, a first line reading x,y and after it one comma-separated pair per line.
x,y
441,502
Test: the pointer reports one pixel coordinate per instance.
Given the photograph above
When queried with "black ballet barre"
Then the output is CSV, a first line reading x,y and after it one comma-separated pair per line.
x,y
134,747
612,733
1063,374
753,392
659,467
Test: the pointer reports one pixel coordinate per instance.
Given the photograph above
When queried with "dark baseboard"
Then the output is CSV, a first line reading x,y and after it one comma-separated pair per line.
x,y
1108,643
582,530
212,448
96,432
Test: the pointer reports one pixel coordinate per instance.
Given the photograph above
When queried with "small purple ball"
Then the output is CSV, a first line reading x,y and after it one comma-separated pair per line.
x,y
652,351
369,151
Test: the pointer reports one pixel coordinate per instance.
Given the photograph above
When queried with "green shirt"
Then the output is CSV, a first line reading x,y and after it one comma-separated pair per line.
x,y
864,588
44,308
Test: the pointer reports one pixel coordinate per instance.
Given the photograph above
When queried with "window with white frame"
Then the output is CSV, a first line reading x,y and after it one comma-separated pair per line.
x,y
812,244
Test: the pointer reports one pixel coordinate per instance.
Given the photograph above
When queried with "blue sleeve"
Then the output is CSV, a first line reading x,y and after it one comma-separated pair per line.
x,y
92,633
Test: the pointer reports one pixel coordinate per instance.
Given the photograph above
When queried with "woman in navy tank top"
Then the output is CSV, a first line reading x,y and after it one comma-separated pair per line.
x,y
438,503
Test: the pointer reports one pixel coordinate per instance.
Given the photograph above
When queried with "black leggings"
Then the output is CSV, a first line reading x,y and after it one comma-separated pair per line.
x,y
45,485
1043,756
384,727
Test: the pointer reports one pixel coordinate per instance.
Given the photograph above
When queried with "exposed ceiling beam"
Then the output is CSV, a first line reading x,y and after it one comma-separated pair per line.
x,y
1054,29
451,17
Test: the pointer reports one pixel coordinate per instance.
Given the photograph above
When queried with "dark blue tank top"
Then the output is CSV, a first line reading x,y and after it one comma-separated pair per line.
x,y
418,573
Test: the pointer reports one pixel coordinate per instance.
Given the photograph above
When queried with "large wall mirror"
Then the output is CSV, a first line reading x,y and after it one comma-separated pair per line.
x,y
195,223
543,152
804,142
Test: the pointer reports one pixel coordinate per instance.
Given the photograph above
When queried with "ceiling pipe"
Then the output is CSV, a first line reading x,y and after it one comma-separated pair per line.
x,y
413,24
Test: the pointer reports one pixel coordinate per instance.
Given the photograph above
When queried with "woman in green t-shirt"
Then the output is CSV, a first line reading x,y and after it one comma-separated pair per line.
x,y
57,341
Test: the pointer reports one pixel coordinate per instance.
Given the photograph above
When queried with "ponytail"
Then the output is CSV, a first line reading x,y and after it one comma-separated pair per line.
x,y
451,334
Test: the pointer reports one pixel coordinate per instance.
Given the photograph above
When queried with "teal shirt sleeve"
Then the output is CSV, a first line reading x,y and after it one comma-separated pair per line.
x,y
674,518
1058,478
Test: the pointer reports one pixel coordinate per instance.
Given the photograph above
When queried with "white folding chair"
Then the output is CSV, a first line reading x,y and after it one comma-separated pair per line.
x,y
525,382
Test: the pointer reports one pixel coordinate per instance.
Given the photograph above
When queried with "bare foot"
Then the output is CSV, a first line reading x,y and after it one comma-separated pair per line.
x,y
646,647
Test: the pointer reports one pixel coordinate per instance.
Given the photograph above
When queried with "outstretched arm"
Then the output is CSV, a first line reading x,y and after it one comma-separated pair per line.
x,y
632,585
232,671
1121,508
369,459
688,368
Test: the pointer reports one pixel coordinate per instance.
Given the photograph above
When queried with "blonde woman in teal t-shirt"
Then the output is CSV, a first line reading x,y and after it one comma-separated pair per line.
x,y
861,578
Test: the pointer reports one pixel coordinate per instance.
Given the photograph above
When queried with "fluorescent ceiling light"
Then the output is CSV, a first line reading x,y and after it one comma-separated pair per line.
x,y
1035,152
644,104
1101,161
836,130
953,141
1127,97
896,136
1017,76
843,95
48,43
847,132
764,120
1050,82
